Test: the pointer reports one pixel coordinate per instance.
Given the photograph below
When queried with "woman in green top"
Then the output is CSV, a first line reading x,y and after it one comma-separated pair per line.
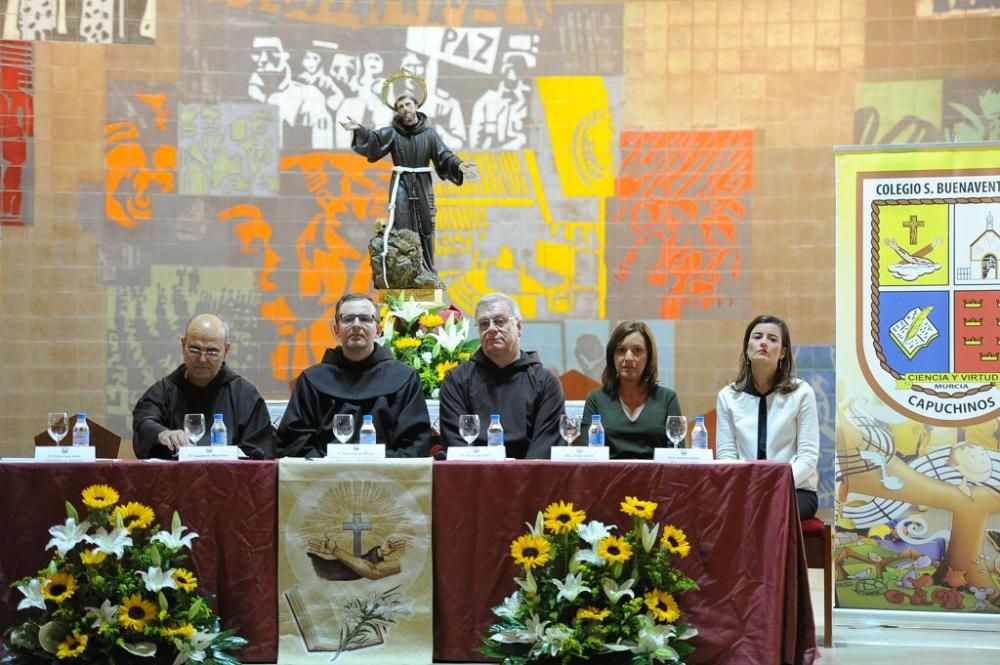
x,y
632,406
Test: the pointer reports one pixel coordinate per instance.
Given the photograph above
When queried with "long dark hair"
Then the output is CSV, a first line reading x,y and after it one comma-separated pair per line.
x,y
650,373
784,380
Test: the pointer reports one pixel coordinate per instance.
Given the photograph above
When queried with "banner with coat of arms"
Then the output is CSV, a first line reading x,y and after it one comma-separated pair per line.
x,y
918,378
355,573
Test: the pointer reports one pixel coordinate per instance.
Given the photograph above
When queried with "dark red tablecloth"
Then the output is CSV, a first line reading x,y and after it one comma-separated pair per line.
x,y
231,505
747,555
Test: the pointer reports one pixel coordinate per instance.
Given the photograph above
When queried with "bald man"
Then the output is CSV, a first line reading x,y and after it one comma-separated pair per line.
x,y
203,384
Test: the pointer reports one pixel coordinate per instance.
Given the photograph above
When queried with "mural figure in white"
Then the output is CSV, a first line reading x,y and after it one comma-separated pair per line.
x,y
498,115
299,104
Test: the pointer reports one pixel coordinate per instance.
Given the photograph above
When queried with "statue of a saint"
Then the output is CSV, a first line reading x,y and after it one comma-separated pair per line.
x,y
413,144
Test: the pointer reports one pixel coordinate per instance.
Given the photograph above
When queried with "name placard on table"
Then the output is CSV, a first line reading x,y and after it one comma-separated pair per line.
x,y
202,453
65,454
478,453
580,454
685,455
355,452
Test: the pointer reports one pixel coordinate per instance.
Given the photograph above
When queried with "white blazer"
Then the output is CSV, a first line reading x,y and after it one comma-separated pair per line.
x,y
792,430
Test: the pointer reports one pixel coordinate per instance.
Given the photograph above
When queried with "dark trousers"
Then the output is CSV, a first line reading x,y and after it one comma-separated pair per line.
x,y
808,502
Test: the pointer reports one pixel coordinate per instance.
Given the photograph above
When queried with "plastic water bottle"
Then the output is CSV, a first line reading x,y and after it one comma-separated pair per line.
x,y
81,430
219,431
699,433
494,434
595,435
367,434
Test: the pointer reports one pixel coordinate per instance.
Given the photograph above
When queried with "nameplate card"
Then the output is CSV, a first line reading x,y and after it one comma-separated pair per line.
x,y
684,455
202,453
355,452
65,454
580,454
478,453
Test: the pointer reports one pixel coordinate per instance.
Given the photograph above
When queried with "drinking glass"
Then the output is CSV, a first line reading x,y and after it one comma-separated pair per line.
x,y
343,426
569,428
677,427
194,427
58,426
468,427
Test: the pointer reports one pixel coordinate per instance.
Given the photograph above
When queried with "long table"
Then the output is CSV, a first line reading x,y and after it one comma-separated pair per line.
x,y
747,555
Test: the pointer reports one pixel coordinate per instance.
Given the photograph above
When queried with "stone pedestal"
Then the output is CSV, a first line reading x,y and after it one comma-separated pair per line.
x,y
426,297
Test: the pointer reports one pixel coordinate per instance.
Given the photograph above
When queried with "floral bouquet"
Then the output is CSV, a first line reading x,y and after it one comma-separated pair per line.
x,y
431,340
116,591
590,594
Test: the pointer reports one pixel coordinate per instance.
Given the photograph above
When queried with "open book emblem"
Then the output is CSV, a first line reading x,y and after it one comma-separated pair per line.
x,y
930,304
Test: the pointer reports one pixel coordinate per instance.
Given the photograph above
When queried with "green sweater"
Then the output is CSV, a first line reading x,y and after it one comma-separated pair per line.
x,y
627,439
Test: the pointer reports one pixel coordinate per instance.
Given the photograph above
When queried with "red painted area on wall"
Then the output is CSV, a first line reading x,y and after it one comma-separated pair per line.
x,y
682,196
16,126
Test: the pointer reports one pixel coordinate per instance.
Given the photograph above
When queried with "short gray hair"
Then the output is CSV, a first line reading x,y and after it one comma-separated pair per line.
x,y
493,298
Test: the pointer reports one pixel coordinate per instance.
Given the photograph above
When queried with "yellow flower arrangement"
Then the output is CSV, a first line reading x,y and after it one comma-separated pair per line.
x,y
432,340
115,591
586,592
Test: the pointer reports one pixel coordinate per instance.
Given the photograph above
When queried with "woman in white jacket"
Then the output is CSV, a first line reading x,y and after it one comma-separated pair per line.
x,y
767,413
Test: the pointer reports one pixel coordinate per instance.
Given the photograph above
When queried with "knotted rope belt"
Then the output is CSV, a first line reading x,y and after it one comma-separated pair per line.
x,y
398,172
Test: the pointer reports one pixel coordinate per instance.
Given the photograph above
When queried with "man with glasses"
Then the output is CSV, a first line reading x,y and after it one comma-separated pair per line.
x,y
360,378
500,378
202,384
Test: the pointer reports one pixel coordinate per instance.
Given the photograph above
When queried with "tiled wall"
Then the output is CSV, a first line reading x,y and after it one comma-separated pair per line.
x,y
665,160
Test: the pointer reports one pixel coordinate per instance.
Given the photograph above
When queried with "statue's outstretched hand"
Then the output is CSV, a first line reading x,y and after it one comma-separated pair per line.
x,y
351,124
469,170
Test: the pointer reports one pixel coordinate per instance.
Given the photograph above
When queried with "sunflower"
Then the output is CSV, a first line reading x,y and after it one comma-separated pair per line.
x,y
430,321
404,343
72,646
185,580
638,508
185,630
444,368
675,541
530,551
614,549
135,515
592,613
100,496
561,518
58,586
135,612
92,557
663,606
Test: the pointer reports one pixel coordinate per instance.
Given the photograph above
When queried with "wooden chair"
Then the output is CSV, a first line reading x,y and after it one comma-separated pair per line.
x,y
818,538
104,440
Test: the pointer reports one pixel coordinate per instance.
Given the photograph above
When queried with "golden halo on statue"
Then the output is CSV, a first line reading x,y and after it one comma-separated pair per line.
x,y
398,76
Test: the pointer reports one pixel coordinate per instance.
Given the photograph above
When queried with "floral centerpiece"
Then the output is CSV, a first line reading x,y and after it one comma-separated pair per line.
x,y
117,591
431,340
590,594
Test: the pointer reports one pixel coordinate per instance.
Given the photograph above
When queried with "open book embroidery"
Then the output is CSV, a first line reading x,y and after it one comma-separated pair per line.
x,y
322,630
914,331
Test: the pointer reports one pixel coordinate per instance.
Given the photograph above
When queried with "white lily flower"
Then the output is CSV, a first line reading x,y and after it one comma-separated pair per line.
x,y
583,555
175,539
528,584
510,606
452,335
427,357
654,639
409,312
103,615
571,588
141,649
552,640
32,595
617,646
111,543
615,591
68,536
649,536
156,578
194,648
594,532
538,529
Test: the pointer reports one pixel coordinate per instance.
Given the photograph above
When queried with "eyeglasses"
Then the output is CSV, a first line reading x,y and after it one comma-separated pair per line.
x,y
497,322
365,319
210,352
